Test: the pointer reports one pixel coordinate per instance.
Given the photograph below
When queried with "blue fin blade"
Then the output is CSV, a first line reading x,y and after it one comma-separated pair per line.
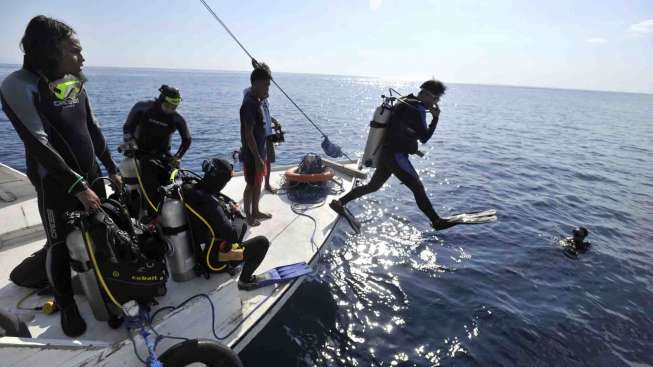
x,y
283,273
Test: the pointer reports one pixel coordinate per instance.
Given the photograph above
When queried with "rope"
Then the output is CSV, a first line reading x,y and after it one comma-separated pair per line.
x,y
272,79
212,305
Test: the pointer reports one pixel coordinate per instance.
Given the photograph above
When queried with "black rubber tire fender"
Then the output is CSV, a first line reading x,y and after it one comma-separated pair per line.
x,y
11,325
209,352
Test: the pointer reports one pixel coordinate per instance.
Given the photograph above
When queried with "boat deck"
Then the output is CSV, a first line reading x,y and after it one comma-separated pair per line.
x,y
239,314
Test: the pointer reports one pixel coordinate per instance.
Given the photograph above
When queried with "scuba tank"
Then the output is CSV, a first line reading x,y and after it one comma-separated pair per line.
x,y
81,263
174,223
376,136
129,171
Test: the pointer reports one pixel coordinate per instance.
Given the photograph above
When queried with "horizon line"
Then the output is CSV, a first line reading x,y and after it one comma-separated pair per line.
x,y
358,76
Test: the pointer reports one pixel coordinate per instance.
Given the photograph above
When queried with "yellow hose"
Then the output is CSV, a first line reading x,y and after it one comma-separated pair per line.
x,y
140,182
206,223
88,241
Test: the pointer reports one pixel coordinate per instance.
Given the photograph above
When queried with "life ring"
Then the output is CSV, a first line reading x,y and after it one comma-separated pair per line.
x,y
208,352
293,175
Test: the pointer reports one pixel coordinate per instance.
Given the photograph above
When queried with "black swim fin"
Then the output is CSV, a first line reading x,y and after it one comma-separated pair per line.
x,y
345,213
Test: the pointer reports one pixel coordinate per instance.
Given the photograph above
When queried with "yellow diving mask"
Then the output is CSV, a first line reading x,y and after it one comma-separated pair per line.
x,y
68,87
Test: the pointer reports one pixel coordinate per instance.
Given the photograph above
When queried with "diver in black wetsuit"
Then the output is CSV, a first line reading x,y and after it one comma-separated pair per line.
x,y
407,125
47,104
576,244
150,124
223,243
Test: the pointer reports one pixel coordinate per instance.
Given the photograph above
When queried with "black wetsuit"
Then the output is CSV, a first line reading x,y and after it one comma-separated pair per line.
x,y
62,140
152,129
407,125
573,248
227,232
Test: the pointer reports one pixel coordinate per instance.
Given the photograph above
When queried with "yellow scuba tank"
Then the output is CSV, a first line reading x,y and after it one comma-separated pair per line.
x,y
376,135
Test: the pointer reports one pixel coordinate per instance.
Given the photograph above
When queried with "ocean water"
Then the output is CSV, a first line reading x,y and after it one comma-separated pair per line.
x,y
400,294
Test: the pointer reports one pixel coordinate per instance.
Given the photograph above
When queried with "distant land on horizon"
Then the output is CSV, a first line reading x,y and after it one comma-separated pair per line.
x,y
347,76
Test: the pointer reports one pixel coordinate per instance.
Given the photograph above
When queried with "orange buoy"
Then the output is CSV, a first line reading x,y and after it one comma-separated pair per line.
x,y
293,175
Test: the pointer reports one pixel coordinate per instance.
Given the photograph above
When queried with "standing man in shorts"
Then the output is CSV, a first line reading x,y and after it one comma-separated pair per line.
x,y
268,121
253,139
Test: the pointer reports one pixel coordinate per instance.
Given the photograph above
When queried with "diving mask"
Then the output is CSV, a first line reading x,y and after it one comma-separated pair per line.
x,y
68,87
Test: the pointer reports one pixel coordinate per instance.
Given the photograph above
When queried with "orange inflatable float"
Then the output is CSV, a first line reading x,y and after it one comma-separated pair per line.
x,y
292,174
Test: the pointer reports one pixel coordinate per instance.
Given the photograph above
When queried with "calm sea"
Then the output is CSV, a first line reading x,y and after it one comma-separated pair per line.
x,y
400,294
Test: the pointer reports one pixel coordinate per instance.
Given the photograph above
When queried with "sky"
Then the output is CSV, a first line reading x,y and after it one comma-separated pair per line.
x,y
578,44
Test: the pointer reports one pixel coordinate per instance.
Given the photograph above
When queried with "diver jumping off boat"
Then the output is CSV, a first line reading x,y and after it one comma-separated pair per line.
x,y
406,126
48,106
150,125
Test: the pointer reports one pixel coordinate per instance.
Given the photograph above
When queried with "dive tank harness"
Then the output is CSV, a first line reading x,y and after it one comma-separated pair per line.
x,y
378,128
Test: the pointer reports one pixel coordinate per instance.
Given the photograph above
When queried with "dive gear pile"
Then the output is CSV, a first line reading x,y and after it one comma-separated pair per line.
x,y
111,261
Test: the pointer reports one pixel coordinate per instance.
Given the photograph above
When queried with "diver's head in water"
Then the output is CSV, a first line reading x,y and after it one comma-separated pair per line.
x,y
169,98
217,173
431,91
578,235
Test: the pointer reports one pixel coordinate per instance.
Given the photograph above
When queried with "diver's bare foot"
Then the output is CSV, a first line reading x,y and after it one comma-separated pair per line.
x,y
262,216
253,222
271,189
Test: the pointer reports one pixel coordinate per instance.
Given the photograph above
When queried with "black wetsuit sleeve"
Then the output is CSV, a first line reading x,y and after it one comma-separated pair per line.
x,y
429,132
99,142
425,133
19,101
129,128
184,132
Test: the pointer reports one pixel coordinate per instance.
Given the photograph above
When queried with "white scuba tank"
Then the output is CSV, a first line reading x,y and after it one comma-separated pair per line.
x,y
128,172
128,168
174,224
378,128
80,262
